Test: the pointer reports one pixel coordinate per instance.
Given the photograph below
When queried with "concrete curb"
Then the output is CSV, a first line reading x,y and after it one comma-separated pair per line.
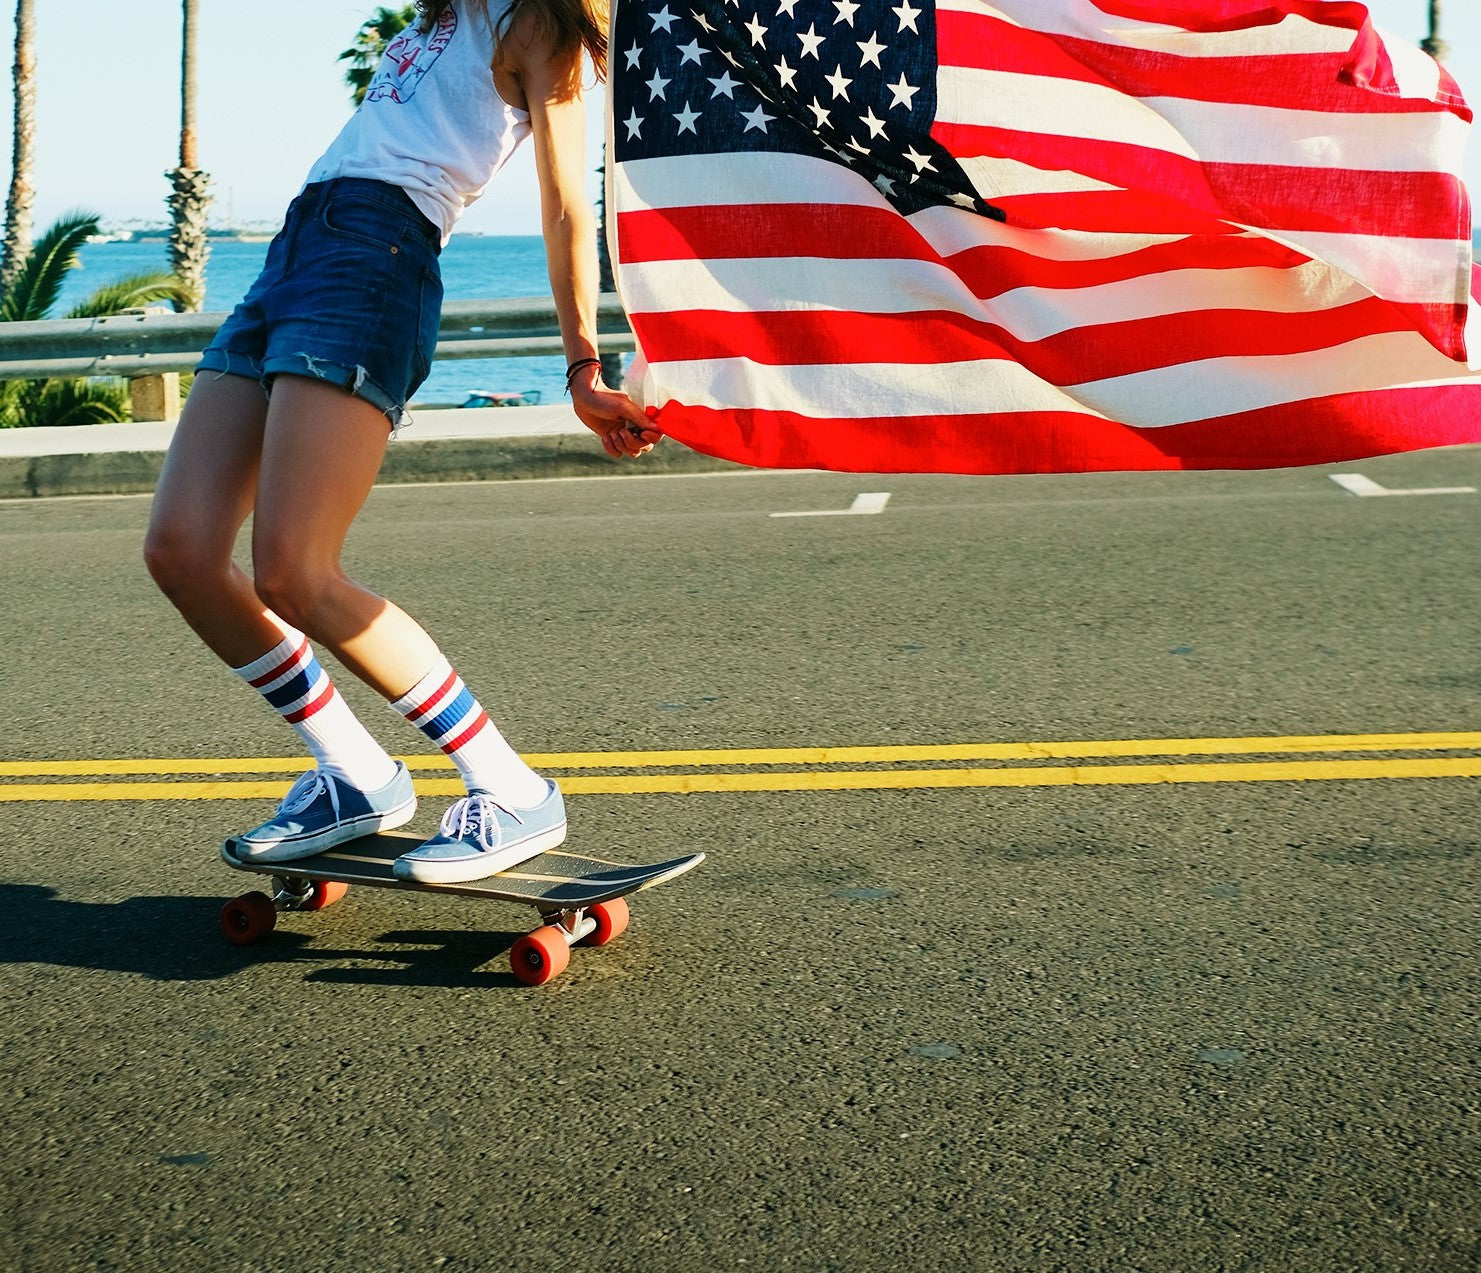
x,y
407,460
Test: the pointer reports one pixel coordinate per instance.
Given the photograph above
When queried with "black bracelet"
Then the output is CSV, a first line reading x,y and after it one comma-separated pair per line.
x,y
577,365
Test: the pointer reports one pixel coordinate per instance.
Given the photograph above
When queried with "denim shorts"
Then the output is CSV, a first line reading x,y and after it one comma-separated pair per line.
x,y
350,293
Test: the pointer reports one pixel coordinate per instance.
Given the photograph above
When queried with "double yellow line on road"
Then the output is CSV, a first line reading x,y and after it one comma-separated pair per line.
x,y
1303,758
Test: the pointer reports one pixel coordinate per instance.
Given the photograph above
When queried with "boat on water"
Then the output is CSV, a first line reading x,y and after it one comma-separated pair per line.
x,y
497,398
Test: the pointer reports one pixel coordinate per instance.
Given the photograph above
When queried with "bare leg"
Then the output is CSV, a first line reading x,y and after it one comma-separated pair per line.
x,y
322,449
203,496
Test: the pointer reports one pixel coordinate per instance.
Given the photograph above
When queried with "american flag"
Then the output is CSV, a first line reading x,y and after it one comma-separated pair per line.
x,y
1039,235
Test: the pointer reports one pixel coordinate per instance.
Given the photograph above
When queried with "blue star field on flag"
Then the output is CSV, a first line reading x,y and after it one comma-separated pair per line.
x,y
851,81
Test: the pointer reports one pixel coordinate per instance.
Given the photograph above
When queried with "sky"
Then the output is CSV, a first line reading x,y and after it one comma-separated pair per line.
x,y
272,96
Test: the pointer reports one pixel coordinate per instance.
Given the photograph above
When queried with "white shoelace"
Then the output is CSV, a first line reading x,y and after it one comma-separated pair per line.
x,y
306,790
476,817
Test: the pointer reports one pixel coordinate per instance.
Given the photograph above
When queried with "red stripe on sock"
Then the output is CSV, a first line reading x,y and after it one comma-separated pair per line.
x,y
479,722
303,713
281,668
428,707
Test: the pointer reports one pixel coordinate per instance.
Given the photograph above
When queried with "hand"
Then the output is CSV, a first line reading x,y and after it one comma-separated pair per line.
x,y
614,417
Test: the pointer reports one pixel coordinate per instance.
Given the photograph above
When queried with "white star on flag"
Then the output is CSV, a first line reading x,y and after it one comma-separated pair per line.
x,y
872,49
902,93
922,162
756,119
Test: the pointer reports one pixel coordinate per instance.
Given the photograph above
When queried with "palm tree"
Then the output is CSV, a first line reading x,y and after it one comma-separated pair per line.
x,y
189,200
1433,44
606,280
31,297
23,151
377,31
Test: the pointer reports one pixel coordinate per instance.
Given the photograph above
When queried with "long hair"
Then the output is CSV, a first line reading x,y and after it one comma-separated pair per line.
x,y
565,24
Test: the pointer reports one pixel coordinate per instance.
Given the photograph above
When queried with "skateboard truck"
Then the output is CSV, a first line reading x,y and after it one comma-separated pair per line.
x,y
542,955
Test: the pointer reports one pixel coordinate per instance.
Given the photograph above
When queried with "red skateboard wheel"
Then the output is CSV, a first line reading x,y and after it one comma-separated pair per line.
x,y
248,918
611,919
324,893
540,956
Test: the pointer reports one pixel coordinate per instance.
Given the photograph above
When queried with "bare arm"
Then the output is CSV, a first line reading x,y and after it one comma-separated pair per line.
x,y
552,92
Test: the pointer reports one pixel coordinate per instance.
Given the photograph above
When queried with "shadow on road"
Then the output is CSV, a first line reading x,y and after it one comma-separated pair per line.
x,y
178,939
453,959
163,938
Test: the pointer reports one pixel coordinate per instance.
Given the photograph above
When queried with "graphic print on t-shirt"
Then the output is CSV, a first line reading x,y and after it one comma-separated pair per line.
x,y
409,57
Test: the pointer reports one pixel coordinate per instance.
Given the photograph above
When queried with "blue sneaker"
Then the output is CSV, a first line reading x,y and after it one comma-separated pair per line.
x,y
319,812
480,837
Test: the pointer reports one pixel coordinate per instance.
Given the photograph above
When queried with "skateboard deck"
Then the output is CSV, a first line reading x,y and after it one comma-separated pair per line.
x,y
580,898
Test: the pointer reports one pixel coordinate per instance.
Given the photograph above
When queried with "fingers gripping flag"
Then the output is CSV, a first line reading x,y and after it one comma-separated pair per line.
x,y
1039,235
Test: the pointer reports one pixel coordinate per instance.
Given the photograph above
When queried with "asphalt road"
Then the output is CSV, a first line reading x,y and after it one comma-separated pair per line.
x,y
1117,1003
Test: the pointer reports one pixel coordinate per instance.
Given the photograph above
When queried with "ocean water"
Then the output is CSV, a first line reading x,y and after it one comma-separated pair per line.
x,y
474,267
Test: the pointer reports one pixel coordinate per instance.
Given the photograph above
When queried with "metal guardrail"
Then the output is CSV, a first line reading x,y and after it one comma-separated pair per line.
x,y
137,345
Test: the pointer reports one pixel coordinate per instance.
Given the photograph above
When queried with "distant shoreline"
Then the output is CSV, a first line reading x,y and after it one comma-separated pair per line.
x,y
161,234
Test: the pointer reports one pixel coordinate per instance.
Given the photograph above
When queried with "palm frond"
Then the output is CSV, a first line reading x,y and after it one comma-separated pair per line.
x,y
39,284
375,33
130,293
72,402
10,397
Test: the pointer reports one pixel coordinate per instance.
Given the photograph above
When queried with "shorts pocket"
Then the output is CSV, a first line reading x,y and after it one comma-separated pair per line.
x,y
367,221
429,323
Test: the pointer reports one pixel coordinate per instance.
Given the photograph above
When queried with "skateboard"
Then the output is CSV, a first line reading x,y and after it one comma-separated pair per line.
x,y
581,899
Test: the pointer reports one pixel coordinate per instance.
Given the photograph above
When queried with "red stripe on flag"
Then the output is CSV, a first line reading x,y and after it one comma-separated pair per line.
x,y
1318,431
990,271
1366,65
746,231
1332,200
1292,81
738,231
1079,356
1237,15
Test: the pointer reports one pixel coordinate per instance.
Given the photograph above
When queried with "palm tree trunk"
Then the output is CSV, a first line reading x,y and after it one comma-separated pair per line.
x,y
1433,44
611,363
189,200
20,201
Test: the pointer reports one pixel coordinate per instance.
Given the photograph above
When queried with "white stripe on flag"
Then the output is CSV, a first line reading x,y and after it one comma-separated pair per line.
x,y
1081,19
1211,132
738,178
889,286
863,390
1226,386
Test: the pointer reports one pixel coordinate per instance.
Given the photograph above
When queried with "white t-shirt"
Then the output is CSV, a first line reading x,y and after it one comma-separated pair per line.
x,y
432,121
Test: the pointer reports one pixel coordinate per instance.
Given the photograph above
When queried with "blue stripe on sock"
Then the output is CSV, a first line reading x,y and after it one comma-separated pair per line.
x,y
291,691
450,716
